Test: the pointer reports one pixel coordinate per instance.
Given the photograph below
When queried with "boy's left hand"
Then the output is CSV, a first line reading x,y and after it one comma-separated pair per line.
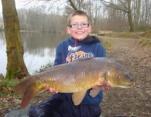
x,y
95,90
105,86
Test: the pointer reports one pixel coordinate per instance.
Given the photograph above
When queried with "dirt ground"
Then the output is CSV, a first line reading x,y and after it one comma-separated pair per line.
x,y
136,101
132,102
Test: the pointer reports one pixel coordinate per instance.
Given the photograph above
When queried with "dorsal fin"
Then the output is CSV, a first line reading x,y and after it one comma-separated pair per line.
x,y
83,59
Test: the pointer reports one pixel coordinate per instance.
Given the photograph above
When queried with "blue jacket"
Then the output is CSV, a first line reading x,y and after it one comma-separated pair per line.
x,y
69,48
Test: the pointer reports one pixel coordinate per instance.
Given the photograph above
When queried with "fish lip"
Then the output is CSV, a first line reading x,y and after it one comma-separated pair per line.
x,y
127,86
122,85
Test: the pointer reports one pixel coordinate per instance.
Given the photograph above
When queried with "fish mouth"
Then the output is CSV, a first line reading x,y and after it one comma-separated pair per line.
x,y
124,86
120,85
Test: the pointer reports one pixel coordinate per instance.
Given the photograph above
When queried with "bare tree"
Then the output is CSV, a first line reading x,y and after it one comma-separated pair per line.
x,y
73,5
124,6
137,12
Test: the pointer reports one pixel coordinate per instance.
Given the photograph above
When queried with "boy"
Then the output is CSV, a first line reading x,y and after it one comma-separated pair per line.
x,y
79,45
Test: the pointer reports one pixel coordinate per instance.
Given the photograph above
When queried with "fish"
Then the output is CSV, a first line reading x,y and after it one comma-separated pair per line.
x,y
76,77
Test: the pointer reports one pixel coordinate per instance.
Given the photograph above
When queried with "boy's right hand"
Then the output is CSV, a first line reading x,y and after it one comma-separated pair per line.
x,y
51,90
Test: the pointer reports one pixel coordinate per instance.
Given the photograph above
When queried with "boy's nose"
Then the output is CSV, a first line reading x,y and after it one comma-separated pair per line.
x,y
79,25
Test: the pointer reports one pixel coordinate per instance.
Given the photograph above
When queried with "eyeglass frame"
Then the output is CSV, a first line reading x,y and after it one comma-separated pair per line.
x,y
76,25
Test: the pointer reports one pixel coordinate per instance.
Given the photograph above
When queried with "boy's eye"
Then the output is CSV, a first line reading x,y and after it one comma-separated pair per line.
x,y
77,25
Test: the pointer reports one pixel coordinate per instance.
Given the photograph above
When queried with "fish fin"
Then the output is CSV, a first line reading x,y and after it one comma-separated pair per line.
x,y
78,97
83,59
95,91
28,95
23,85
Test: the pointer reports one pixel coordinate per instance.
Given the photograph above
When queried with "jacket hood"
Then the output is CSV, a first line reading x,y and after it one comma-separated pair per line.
x,y
87,40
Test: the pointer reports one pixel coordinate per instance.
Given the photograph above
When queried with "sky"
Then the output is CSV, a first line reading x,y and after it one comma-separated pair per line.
x,y
19,4
27,3
53,4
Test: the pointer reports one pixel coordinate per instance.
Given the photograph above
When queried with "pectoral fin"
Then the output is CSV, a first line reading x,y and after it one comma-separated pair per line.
x,y
78,97
95,91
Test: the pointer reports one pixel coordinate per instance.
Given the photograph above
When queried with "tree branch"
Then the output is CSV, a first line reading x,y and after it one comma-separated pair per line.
x,y
73,5
115,6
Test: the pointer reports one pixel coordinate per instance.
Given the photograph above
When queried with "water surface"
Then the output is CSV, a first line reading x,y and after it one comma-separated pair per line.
x,y
39,50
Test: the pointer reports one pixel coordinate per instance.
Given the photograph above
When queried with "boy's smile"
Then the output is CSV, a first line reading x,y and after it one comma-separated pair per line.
x,y
79,27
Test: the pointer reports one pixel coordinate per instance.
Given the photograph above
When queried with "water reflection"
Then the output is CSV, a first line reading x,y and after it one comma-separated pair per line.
x,y
3,57
39,50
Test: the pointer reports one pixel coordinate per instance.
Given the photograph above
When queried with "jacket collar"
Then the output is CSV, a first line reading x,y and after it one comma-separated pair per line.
x,y
87,40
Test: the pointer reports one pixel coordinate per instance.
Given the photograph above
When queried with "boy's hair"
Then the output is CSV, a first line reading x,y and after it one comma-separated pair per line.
x,y
77,12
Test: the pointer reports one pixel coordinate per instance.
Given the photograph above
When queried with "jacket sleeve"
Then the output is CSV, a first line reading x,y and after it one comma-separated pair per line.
x,y
100,50
59,55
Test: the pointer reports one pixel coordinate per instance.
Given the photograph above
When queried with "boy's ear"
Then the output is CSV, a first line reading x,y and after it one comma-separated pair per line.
x,y
68,30
90,28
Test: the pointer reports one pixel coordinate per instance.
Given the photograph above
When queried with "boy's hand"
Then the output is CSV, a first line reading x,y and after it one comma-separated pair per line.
x,y
51,90
105,86
95,90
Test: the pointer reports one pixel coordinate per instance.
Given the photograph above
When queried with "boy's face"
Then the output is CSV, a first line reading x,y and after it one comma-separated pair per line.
x,y
79,27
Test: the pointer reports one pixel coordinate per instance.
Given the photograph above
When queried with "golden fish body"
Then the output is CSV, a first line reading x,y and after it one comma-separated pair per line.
x,y
75,77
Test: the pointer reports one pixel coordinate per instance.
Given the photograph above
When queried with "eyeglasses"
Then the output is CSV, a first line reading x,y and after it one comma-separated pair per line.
x,y
76,25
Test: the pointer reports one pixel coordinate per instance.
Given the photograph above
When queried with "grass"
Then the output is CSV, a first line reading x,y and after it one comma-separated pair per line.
x,y
8,82
145,42
7,87
43,68
144,38
107,44
146,34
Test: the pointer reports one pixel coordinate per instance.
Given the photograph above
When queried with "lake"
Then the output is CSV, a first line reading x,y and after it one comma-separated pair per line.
x,y
39,50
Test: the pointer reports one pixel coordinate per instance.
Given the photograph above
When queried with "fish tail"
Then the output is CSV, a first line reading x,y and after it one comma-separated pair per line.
x,y
23,85
28,88
33,89
28,95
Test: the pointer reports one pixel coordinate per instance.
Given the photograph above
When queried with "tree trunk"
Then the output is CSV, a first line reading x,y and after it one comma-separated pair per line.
x,y
15,64
130,20
137,13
